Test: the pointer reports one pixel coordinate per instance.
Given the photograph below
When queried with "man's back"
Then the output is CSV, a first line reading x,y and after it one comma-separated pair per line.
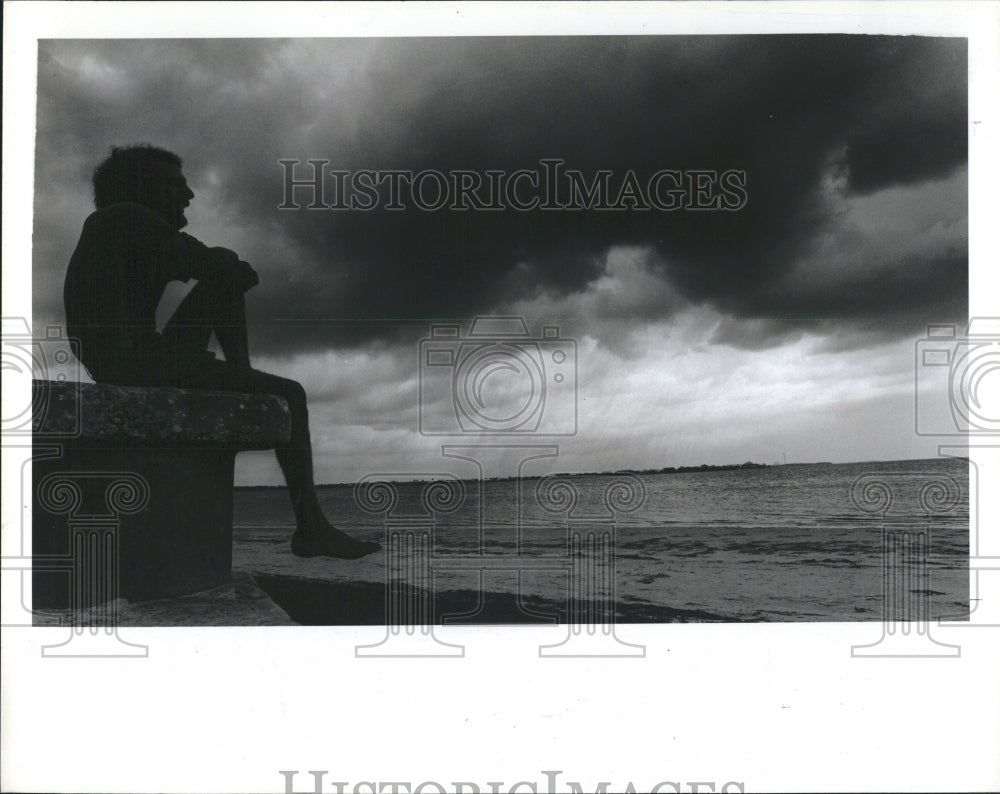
x,y
125,257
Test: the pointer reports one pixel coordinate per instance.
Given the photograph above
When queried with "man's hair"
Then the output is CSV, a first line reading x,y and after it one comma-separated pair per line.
x,y
128,173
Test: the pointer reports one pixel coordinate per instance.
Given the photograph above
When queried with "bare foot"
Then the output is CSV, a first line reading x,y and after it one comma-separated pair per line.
x,y
328,541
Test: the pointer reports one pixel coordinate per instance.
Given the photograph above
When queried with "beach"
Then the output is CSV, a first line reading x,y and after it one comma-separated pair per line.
x,y
781,543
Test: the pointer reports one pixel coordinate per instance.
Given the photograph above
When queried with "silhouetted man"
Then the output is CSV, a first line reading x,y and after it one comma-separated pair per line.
x,y
130,248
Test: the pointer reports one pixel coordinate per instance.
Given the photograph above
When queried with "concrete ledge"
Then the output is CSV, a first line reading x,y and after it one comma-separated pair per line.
x,y
132,490
155,416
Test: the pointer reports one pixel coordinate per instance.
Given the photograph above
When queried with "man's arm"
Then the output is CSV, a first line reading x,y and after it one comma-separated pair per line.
x,y
175,255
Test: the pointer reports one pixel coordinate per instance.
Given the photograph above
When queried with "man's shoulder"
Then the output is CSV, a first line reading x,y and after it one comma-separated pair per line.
x,y
126,211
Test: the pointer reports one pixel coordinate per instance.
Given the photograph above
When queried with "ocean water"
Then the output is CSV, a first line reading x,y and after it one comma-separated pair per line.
x,y
809,542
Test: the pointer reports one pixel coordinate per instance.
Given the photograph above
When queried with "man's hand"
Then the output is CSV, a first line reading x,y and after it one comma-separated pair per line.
x,y
246,276
235,270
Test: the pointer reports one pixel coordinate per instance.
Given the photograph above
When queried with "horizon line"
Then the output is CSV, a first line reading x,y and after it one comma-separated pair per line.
x,y
683,469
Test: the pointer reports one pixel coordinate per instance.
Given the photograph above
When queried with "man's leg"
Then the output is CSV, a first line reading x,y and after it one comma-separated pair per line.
x,y
314,535
211,306
214,307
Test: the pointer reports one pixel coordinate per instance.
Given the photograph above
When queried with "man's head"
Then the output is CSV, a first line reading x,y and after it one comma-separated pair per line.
x,y
145,175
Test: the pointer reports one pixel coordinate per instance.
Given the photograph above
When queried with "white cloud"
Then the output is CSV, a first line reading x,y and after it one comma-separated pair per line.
x,y
903,227
672,400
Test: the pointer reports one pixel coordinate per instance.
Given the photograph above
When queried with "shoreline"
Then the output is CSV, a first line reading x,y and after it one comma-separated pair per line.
x,y
701,469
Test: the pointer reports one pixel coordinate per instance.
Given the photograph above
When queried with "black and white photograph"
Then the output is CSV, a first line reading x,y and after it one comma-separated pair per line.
x,y
396,353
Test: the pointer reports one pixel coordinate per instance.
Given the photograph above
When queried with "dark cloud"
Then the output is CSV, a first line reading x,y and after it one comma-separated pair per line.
x,y
908,150
787,110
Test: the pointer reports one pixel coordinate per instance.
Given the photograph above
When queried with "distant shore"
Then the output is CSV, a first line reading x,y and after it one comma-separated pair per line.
x,y
704,467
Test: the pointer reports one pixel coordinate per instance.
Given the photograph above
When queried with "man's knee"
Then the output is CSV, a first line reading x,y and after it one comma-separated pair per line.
x,y
291,390
296,392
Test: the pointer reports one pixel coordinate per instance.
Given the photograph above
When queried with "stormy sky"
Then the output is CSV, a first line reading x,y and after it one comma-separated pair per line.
x,y
783,327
